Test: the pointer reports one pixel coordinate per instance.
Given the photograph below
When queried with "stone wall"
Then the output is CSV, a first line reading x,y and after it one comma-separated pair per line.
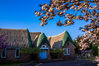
x,y
72,50
10,57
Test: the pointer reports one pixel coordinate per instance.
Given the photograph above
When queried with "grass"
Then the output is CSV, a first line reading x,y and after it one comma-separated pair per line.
x,y
91,58
10,64
88,58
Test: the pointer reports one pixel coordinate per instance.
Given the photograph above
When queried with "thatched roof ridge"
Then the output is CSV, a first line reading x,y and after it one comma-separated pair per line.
x,y
35,32
42,38
65,38
57,35
13,29
29,39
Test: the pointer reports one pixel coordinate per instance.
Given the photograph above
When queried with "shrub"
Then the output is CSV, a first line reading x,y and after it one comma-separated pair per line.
x,y
57,51
30,50
95,50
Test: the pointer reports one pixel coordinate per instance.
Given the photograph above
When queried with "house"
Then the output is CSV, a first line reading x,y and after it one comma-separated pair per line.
x,y
65,42
17,38
22,38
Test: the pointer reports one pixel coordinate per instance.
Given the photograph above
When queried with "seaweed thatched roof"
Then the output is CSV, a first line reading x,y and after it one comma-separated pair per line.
x,y
42,38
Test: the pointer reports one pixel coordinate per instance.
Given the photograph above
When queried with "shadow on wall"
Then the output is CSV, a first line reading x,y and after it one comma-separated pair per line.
x,y
57,44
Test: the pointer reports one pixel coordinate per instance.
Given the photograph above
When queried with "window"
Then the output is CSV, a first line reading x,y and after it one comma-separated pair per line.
x,y
43,47
66,51
3,53
17,53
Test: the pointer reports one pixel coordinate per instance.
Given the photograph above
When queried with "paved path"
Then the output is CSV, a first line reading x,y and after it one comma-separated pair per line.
x,y
65,63
97,59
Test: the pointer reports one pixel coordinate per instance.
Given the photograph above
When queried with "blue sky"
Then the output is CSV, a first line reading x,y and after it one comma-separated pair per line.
x,y
19,14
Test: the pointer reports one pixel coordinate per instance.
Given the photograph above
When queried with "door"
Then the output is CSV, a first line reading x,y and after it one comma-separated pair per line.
x,y
43,55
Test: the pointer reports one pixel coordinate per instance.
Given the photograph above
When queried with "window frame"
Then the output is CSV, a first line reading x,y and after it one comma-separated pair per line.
x,y
2,53
16,52
45,47
67,51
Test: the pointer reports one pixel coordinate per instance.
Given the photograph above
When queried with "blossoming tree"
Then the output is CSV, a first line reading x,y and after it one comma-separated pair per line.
x,y
88,10
3,42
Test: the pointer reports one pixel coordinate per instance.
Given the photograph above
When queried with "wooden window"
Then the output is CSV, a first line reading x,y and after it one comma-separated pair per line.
x,y
66,51
3,53
43,47
17,53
